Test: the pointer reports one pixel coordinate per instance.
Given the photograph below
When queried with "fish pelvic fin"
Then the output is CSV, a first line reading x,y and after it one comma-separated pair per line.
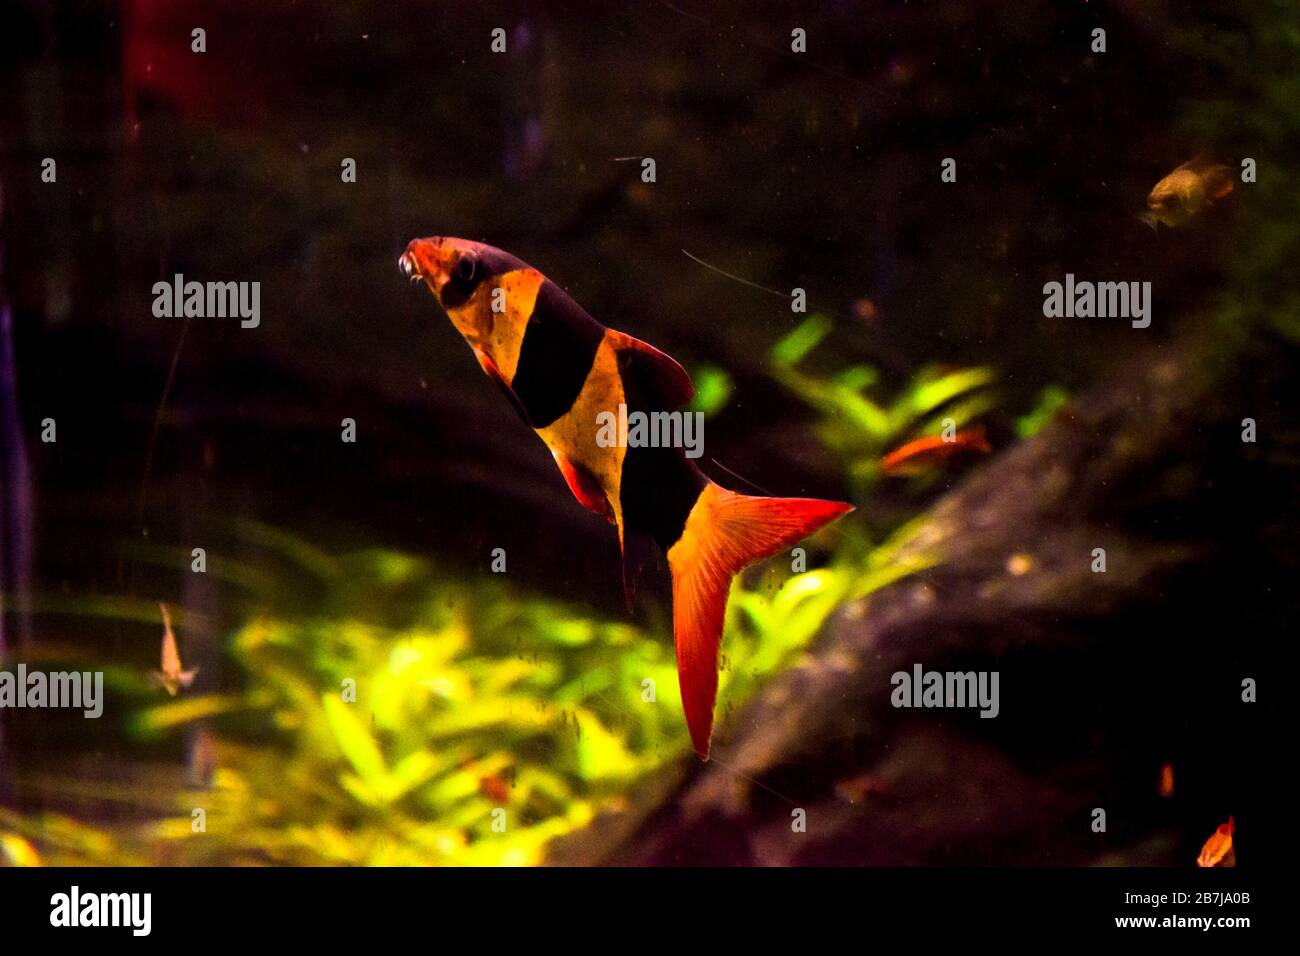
x,y
585,487
637,548
490,369
725,532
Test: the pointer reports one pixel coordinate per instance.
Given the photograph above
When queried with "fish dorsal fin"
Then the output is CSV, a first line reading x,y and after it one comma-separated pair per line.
x,y
656,379
1218,177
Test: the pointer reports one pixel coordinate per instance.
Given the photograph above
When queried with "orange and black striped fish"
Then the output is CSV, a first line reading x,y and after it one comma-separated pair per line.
x,y
563,371
917,455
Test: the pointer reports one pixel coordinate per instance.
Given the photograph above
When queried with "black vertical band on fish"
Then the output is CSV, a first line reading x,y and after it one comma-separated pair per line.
x,y
559,347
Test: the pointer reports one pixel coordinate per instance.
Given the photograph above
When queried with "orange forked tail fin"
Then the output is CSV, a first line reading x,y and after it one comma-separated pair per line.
x,y
725,532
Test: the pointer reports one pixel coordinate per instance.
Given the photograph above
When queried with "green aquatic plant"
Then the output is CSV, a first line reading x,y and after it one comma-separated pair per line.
x,y
1050,400
1255,115
860,426
377,709
712,389
406,716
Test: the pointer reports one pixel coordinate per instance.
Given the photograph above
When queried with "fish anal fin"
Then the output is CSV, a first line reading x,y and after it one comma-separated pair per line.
x,y
655,378
725,532
584,487
637,546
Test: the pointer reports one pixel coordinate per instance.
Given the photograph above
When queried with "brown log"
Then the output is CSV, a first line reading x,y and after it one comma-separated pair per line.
x,y
1146,467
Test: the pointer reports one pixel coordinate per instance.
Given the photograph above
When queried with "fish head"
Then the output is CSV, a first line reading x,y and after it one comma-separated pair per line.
x,y
461,274
1176,198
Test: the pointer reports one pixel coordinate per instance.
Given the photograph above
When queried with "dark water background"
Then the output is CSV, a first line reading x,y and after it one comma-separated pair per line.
x,y
818,170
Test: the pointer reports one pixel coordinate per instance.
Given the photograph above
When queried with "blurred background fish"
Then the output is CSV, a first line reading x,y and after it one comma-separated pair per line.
x,y
923,453
1166,787
1187,192
171,678
1218,848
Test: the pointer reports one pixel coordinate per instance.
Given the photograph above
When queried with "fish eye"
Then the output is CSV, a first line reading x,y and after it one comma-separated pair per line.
x,y
465,268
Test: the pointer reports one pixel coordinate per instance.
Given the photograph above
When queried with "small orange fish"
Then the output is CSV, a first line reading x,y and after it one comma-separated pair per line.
x,y
171,678
1187,192
494,788
1218,845
866,310
917,455
1167,780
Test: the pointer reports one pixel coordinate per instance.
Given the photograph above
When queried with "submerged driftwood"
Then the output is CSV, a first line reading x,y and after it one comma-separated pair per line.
x,y
1104,677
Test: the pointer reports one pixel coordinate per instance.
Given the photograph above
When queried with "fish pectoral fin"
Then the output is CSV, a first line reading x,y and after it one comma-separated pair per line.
x,y
186,678
584,487
655,377
490,369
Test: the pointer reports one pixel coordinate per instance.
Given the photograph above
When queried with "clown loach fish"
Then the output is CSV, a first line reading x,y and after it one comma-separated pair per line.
x,y
563,371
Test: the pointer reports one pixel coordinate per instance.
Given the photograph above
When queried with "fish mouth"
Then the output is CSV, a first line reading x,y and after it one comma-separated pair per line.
x,y
409,267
